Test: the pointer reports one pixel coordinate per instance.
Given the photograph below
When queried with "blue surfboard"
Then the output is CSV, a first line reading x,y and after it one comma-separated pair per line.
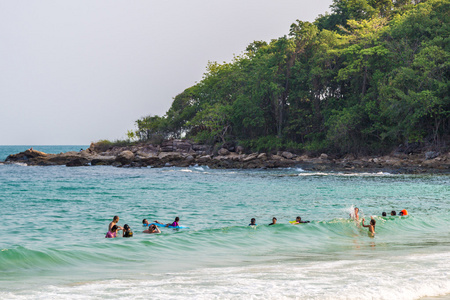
x,y
165,225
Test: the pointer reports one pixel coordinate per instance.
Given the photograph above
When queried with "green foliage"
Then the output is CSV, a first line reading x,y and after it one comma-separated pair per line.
x,y
104,145
368,76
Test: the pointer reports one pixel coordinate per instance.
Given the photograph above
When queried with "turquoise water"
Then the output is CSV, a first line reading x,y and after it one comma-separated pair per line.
x,y
55,219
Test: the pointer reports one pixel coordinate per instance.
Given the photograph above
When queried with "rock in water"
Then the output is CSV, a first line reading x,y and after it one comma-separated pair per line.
x,y
125,157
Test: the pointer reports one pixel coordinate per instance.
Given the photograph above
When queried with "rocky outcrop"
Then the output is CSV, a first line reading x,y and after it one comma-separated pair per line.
x,y
183,153
125,157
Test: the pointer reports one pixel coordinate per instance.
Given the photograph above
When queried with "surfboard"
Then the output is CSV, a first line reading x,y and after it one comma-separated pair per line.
x,y
165,225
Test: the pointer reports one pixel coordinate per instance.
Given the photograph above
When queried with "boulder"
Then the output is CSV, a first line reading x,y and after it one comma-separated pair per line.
x,y
239,149
125,157
262,156
169,156
431,155
102,160
287,155
250,157
78,162
276,157
323,156
204,159
223,152
182,146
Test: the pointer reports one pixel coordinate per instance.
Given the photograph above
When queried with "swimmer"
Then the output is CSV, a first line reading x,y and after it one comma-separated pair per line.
x,y
113,232
393,213
383,214
152,229
145,222
252,222
174,224
126,232
404,212
114,222
371,226
274,221
298,220
355,215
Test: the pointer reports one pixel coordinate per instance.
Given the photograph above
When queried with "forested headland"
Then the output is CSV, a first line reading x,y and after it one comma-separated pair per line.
x,y
369,77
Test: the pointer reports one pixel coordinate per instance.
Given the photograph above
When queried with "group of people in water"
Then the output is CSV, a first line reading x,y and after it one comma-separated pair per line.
x,y
113,228
373,222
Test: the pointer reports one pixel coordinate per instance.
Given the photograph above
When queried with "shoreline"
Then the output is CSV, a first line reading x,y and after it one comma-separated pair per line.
x,y
181,153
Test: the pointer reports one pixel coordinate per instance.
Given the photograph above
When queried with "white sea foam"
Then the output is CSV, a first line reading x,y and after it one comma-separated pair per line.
x,y
407,277
379,174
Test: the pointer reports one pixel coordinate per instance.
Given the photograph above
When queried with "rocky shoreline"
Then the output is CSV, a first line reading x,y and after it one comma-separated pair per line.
x,y
182,153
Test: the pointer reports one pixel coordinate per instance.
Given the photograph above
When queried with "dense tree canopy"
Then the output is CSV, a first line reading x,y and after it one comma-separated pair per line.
x,y
365,78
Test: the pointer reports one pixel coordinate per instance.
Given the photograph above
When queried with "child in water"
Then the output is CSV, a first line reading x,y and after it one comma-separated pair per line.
x,y
355,215
113,232
371,226
174,224
252,222
126,232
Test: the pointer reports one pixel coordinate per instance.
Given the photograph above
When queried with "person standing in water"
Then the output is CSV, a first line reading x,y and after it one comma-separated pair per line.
x,y
371,226
355,215
114,222
112,233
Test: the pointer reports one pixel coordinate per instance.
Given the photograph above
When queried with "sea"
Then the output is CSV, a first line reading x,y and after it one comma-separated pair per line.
x,y
54,221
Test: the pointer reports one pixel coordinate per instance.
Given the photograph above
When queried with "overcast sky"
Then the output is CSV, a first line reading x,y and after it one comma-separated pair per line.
x,y
73,72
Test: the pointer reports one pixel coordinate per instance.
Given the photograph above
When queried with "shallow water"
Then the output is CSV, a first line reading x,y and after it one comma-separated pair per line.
x,y
53,245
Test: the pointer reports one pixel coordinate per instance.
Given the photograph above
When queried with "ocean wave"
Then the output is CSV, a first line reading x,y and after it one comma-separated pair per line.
x,y
410,276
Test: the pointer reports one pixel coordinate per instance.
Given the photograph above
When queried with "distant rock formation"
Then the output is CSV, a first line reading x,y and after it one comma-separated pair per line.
x,y
184,153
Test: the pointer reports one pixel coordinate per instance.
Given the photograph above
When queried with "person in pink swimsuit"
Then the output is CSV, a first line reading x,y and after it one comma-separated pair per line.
x,y
174,224
113,232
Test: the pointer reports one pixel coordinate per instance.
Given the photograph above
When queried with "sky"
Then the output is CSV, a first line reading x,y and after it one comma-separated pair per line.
x,y
76,72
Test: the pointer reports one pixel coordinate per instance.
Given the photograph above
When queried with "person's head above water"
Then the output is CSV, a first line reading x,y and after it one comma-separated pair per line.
x,y
373,222
253,221
116,219
384,214
393,213
145,222
404,212
126,227
177,219
298,219
114,228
